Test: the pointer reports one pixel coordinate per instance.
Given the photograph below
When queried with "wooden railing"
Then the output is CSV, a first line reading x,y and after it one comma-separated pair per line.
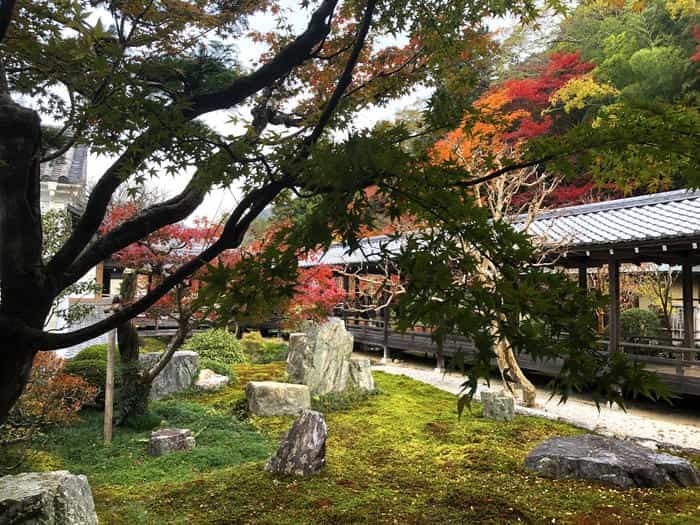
x,y
678,366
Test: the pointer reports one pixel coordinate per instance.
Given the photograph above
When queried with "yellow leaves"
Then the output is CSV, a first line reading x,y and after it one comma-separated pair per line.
x,y
683,8
578,93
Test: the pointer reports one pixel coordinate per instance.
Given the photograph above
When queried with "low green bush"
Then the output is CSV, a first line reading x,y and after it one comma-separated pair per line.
x,y
218,345
90,353
259,350
91,364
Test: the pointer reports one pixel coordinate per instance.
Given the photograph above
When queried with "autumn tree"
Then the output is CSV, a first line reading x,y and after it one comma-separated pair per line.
x,y
152,259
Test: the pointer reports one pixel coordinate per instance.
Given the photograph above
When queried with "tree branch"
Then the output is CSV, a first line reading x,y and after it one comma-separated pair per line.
x,y
138,227
232,236
152,139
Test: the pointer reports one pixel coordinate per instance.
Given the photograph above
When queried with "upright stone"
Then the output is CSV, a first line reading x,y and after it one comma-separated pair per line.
x,y
270,398
303,450
46,498
167,440
609,460
361,373
498,406
178,375
320,357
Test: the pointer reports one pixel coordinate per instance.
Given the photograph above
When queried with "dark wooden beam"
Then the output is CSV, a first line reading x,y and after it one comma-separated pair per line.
x,y
583,277
614,316
688,310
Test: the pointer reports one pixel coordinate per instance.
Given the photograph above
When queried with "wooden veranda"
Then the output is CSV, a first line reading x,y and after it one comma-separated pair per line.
x,y
662,228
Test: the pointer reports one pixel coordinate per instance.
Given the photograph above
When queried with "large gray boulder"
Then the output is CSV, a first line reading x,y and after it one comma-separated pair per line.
x,y
609,460
270,398
167,440
361,373
498,406
303,449
178,375
46,498
320,359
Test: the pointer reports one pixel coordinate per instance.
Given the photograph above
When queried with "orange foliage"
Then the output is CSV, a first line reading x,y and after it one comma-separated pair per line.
x,y
51,396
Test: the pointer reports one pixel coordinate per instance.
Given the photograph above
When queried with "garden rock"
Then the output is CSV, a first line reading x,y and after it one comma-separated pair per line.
x,y
498,406
320,357
210,380
303,449
167,440
361,373
270,398
46,498
609,460
178,375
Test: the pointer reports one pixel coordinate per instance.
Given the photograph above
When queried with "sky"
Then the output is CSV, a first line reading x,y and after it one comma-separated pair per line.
x,y
220,200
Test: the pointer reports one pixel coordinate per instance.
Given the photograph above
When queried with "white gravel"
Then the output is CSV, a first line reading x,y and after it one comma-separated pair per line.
x,y
649,427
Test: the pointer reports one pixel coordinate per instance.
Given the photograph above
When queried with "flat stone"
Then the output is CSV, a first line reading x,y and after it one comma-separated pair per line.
x,y
498,406
361,373
303,450
178,375
167,440
608,460
210,380
320,357
46,498
270,398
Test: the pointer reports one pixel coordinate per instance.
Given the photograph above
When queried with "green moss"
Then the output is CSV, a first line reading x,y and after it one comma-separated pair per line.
x,y
400,457
151,344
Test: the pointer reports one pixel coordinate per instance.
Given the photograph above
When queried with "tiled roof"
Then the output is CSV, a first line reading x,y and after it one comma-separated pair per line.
x,y
661,216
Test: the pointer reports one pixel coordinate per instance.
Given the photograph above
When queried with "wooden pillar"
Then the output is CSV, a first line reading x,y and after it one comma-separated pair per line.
x,y
614,312
583,277
109,388
387,319
688,310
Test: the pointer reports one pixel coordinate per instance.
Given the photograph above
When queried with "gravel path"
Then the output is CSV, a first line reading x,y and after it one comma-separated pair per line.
x,y
650,427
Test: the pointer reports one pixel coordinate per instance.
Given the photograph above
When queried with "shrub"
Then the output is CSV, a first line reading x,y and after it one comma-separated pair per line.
x,y
218,345
260,350
639,325
52,397
91,365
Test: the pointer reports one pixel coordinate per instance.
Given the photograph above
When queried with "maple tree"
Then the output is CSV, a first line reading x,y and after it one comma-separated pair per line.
x,y
316,293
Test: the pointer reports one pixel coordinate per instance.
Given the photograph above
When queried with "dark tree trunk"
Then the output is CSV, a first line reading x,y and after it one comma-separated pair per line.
x,y
25,294
134,391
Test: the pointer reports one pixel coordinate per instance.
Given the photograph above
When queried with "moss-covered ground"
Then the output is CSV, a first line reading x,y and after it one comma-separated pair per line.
x,y
400,457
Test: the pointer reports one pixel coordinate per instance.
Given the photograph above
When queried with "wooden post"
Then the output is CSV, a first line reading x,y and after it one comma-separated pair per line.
x,y
614,317
387,319
583,277
688,312
109,388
